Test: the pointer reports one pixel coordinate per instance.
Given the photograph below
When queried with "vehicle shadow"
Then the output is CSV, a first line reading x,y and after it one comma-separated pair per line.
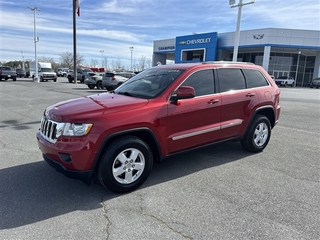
x,y
35,192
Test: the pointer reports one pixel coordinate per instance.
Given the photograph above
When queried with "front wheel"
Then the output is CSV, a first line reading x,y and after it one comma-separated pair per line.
x,y
69,79
125,164
91,86
292,84
258,135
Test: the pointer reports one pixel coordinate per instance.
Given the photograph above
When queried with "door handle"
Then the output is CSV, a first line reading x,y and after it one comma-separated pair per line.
x,y
213,101
250,95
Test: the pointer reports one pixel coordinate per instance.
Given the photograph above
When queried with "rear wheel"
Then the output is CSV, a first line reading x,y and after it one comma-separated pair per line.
x,y
99,85
91,86
14,79
258,135
125,164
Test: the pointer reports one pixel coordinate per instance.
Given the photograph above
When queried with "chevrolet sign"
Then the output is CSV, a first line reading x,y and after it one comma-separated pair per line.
x,y
196,41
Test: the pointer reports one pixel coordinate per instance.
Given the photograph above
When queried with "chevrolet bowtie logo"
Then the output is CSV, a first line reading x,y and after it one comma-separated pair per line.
x,y
182,42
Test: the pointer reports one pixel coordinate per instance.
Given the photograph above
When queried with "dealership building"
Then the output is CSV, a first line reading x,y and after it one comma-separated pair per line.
x,y
280,51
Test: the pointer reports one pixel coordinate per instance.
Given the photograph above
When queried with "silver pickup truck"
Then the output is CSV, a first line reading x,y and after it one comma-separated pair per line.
x,y
7,73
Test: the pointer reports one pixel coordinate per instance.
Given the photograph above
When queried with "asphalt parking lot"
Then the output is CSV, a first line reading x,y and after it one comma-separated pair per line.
x,y
218,192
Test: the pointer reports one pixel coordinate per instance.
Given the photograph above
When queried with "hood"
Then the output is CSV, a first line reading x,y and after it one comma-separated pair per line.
x,y
84,108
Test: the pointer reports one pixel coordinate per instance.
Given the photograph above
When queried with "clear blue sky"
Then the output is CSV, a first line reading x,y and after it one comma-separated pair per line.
x,y
115,25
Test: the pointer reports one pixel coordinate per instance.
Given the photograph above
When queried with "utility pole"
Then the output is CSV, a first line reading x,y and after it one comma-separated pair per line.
x,y
237,36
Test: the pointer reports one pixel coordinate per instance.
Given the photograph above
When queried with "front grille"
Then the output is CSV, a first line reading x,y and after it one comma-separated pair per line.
x,y
48,130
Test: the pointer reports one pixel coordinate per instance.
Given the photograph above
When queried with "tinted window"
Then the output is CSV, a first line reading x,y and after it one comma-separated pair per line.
x,y
254,78
230,79
201,81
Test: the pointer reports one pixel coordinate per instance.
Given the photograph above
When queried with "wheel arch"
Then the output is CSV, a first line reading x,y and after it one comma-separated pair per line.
x,y
144,134
267,111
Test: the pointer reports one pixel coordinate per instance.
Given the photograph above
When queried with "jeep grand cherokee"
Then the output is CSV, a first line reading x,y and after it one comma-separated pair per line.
x,y
117,136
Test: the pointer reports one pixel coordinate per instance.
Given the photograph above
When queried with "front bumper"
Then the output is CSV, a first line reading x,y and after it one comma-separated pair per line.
x,y
84,176
73,157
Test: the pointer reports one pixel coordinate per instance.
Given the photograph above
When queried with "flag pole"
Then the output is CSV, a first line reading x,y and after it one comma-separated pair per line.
x,y
74,43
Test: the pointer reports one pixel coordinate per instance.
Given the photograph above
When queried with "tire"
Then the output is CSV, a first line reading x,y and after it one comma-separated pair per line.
x,y
54,80
91,86
14,79
99,85
69,79
292,84
258,135
286,84
125,164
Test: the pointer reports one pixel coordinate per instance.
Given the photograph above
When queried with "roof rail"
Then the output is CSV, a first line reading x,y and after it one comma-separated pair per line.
x,y
229,62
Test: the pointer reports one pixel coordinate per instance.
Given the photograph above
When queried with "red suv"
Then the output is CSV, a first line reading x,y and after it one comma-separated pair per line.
x,y
117,136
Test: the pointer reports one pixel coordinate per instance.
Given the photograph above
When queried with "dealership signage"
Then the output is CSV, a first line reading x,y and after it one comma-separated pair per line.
x,y
166,48
195,41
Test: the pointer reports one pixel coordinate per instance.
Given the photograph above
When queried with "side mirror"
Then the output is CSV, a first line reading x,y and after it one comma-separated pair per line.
x,y
183,92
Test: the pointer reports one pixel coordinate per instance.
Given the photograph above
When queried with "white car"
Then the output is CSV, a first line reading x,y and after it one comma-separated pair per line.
x,y
285,81
111,81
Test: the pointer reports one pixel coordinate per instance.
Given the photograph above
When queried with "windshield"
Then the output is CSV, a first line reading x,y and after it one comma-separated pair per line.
x,y
149,83
47,70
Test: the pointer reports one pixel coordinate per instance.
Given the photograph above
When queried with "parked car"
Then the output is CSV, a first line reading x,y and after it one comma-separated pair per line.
x,y
93,79
21,73
285,81
62,72
111,80
315,83
165,110
80,74
7,72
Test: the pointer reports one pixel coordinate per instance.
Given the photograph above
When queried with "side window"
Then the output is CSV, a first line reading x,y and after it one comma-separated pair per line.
x,y
202,82
230,79
254,78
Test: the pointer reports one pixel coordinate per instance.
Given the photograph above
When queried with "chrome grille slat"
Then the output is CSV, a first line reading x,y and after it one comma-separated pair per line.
x,y
48,129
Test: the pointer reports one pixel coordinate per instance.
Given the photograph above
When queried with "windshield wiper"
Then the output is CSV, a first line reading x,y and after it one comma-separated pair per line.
x,y
125,93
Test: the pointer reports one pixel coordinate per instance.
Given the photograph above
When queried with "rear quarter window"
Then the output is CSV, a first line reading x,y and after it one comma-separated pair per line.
x,y
254,78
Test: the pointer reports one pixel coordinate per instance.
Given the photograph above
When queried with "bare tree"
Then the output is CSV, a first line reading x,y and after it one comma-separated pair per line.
x,y
67,59
94,62
50,60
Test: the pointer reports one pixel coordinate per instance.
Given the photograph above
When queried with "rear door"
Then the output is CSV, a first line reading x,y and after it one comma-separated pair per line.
x,y
196,121
237,102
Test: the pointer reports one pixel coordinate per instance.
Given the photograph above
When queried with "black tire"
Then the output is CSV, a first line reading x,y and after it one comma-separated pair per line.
x,y
91,86
69,79
258,135
14,79
99,85
129,172
292,84
286,84
54,80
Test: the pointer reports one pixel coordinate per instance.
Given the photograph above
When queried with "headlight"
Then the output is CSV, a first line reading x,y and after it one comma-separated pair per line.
x,y
73,129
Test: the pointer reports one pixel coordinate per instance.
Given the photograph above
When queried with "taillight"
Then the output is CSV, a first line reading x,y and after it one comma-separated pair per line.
x,y
0,72
113,78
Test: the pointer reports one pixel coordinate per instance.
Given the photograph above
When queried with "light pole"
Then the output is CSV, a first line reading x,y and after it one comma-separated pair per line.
x,y
237,36
131,49
295,79
102,51
36,39
22,60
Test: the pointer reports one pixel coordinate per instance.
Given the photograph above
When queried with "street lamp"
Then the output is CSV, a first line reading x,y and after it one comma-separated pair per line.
x,y
295,79
22,60
131,49
237,36
101,51
36,39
